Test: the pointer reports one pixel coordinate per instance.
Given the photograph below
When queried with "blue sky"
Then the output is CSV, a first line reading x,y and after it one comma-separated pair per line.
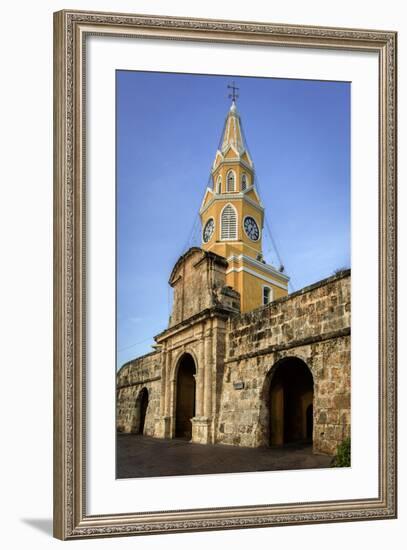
x,y
168,129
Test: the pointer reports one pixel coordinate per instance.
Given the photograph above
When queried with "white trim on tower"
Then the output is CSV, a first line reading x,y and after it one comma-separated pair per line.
x,y
228,197
259,275
260,265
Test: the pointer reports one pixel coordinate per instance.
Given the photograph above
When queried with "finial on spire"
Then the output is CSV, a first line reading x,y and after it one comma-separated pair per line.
x,y
234,89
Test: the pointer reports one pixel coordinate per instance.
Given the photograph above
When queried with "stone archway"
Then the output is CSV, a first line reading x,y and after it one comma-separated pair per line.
x,y
290,399
140,412
185,396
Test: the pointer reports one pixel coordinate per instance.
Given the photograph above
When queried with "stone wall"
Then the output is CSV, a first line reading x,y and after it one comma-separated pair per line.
x,y
144,372
311,313
312,325
198,280
236,359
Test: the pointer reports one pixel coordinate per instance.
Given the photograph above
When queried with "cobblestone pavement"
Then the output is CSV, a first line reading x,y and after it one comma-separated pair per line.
x,y
142,456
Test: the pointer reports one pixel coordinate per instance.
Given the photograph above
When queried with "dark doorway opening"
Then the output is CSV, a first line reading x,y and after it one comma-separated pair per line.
x,y
143,409
291,397
185,397
310,422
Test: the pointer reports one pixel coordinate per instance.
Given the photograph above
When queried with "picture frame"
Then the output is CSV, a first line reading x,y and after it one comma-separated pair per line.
x,y
72,519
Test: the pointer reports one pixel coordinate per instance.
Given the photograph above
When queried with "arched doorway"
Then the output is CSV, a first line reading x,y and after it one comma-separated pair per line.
x,y
140,412
291,395
185,397
143,409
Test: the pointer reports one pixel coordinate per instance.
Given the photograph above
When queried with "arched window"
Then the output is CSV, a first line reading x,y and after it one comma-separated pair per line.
x,y
230,181
267,295
244,182
219,185
228,223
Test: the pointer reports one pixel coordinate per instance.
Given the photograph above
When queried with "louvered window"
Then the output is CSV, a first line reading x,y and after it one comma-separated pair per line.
x,y
230,186
229,223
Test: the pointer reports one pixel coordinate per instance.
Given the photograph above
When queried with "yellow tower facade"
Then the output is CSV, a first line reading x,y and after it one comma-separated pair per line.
x,y
232,218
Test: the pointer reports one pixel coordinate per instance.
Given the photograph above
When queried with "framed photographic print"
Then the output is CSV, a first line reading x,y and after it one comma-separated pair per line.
x,y
225,274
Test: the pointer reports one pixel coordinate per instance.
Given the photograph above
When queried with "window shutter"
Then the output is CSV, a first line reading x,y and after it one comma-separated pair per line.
x,y
230,183
229,223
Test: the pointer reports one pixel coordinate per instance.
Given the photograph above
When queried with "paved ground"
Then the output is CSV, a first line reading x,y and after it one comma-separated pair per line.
x,y
141,456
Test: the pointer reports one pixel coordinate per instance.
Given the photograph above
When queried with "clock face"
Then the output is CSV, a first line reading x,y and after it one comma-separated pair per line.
x,y
251,228
208,230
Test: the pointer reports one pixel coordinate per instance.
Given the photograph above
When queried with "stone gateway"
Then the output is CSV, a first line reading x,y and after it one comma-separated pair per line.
x,y
275,375
242,362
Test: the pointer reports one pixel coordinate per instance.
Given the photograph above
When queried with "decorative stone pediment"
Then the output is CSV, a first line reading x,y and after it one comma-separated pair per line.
x,y
199,283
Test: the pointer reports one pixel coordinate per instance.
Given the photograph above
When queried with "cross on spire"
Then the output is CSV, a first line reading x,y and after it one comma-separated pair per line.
x,y
234,89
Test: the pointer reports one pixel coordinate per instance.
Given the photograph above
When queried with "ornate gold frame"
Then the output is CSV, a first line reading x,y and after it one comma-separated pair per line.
x,y
70,518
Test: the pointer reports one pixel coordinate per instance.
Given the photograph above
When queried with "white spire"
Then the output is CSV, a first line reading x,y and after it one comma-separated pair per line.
x,y
233,131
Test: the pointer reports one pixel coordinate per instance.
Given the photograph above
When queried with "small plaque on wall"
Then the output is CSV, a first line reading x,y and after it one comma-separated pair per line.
x,y
238,385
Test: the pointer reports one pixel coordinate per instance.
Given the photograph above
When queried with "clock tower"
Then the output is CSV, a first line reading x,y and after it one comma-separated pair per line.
x,y
232,218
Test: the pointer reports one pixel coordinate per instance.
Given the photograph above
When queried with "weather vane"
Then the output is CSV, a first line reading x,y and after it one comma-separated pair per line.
x,y
234,89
